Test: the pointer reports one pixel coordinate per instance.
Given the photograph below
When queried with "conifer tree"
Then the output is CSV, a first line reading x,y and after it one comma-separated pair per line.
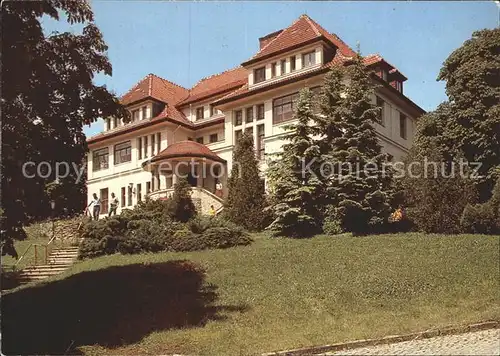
x,y
182,206
295,184
246,198
361,184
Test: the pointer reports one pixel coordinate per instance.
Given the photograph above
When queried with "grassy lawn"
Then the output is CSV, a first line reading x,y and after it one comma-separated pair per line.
x,y
21,247
274,294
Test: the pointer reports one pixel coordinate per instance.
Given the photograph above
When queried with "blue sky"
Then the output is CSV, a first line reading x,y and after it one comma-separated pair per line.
x,y
186,41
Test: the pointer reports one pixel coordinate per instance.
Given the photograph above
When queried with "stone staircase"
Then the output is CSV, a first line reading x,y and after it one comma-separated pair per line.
x,y
58,261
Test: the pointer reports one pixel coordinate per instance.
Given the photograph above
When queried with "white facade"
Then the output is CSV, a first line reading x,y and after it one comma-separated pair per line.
x,y
216,121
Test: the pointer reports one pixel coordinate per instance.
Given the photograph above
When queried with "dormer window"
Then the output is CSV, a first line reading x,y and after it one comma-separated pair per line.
x,y
308,59
283,66
399,86
108,124
383,74
199,113
213,110
144,112
259,75
135,115
115,122
292,63
273,69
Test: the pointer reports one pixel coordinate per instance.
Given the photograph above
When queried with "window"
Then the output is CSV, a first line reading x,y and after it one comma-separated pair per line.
x,y
213,110
153,146
383,74
238,118
124,196
100,159
139,148
199,113
104,201
260,142
139,192
273,69
260,112
144,112
145,146
123,152
190,139
402,125
284,107
152,182
380,104
237,135
292,63
399,86
249,114
148,187
200,140
115,122
158,142
108,124
308,59
283,66
249,131
259,75
213,138
135,115
129,198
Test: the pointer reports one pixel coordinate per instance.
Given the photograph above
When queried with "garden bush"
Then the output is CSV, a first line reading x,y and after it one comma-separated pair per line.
x,y
149,228
483,218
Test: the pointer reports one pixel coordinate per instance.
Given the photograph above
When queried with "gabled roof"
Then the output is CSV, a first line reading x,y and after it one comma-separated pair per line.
x,y
303,30
152,86
215,84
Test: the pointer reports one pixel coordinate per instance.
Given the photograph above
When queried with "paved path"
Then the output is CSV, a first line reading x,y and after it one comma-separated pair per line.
x,y
485,342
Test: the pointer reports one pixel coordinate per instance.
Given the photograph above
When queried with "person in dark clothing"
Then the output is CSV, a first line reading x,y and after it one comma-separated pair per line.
x,y
97,206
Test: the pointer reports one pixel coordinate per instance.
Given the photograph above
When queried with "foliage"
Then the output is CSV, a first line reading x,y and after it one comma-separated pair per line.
x,y
359,189
294,177
48,94
246,199
435,191
149,227
332,224
182,205
471,123
483,218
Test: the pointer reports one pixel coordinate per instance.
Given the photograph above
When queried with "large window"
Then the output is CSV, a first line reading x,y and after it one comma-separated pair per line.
x,y
249,114
135,115
139,148
308,59
145,140
259,75
260,112
402,125
108,124
158,142
144,112
237,135
213,138
148,187
260,142
273,69
100,159
284,107
249,131
380,104
123,152
200,140
199,113
238,118
153,146
115,122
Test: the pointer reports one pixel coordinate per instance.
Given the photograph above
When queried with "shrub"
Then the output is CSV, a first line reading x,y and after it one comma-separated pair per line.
x,y
182,207
331,223
483,218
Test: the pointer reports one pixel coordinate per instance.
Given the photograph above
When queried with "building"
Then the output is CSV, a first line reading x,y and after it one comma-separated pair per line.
x,y
174,128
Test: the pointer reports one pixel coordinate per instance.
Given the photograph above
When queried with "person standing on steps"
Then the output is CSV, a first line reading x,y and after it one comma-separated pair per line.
x,y
97,206
218,189
113,205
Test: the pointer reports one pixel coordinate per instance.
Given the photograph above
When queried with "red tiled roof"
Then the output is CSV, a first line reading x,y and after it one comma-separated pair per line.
x,y
157,88
215,84
303,30
189,149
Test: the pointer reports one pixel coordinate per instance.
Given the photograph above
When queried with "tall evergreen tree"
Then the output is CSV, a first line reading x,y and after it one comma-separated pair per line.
x,y
182,206
48,95
246,199
360,187
294,178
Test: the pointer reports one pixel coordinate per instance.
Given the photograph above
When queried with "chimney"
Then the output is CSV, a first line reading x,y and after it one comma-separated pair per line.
x,y
268,38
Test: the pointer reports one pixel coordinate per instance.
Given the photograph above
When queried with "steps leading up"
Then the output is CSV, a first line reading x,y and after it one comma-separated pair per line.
x,y
59,260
